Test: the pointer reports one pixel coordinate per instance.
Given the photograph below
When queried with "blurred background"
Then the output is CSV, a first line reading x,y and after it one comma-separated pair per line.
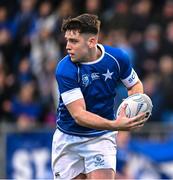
x,y
31,45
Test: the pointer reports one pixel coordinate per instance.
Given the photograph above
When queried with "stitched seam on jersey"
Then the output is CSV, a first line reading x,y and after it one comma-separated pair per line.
x,y
78,73
114,59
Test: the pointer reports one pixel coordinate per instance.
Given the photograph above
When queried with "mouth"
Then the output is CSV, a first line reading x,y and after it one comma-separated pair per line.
x,y
71,54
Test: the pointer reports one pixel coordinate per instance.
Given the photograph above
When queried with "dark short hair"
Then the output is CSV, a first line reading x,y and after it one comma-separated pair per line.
x,y
85,23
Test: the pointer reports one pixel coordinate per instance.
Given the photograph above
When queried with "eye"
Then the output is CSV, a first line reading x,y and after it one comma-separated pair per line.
x,y
74,40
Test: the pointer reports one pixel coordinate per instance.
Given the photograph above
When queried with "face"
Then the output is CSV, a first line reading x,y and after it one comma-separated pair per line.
x,y
78,45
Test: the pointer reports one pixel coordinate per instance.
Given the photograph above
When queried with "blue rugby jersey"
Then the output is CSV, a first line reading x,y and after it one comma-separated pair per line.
x,y
96,82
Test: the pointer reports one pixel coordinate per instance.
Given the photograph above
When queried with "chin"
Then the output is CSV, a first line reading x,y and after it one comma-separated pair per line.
x,y
74,60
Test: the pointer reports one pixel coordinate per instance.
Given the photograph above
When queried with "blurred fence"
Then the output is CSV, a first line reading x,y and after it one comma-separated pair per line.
x,y
27,155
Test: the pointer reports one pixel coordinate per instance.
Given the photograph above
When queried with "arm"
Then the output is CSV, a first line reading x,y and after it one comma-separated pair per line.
x,y
128,75
137,88
84,118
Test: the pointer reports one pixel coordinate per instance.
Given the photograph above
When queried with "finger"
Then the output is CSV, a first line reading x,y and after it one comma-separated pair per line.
x,y
147,115
138,117
123,110
139,122
137,127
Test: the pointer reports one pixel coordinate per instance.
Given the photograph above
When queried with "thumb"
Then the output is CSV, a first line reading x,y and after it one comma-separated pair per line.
x,y
123,110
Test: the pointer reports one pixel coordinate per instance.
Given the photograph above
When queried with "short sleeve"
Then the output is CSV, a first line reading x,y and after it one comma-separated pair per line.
x,y
68,84
127,74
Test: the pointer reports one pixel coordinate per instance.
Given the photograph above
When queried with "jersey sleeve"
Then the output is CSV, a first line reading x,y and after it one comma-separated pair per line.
x,y
68,85
127,74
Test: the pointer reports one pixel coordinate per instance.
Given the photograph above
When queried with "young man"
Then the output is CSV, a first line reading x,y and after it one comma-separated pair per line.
x,y
84,142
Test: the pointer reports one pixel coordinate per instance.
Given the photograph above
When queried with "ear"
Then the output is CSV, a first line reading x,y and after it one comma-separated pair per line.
x,y
92,41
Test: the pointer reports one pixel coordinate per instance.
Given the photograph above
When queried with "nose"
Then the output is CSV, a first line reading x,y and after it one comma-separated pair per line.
x,y
68,46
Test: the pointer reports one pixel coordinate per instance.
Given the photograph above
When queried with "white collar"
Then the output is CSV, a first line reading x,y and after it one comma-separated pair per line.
x,y
100,58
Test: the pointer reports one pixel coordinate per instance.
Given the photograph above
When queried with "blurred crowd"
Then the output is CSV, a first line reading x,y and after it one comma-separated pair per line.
x,y
31,44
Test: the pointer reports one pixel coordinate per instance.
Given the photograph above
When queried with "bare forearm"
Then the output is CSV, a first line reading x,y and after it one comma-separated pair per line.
x,y
90,120
137,88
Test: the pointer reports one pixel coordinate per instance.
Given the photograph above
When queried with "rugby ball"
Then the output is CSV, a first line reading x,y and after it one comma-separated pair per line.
x,y
137,103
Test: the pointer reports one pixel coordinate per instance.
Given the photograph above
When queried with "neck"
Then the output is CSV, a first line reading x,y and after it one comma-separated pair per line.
x,y
94,54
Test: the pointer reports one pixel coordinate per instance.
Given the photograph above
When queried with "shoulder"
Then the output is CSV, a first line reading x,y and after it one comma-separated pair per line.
x,y
66,67
121,58
117,53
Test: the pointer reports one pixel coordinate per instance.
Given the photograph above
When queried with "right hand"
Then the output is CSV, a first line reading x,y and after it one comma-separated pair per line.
x,y
124,123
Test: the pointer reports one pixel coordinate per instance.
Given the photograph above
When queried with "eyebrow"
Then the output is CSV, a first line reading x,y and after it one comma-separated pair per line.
x,y
71,38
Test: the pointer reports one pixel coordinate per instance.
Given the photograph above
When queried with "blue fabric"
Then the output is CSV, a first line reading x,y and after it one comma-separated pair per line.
x,y
99,92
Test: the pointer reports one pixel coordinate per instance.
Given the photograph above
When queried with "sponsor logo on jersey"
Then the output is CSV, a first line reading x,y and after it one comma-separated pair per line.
x,y
95,76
